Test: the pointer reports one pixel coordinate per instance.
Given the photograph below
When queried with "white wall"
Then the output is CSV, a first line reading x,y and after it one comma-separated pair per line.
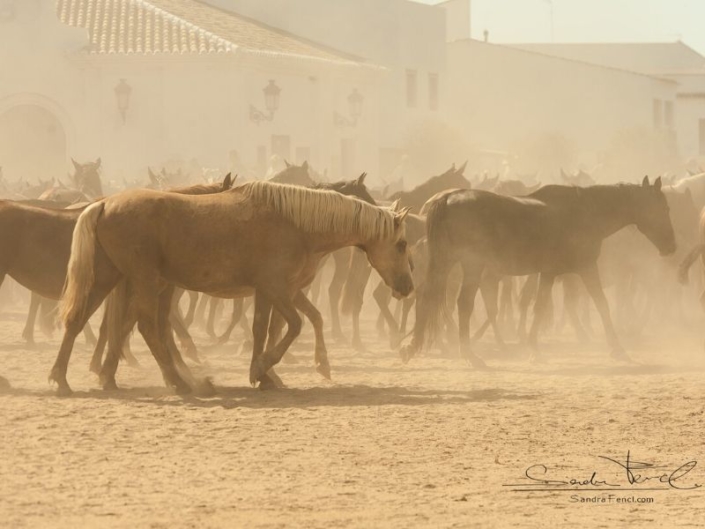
x,y
503,97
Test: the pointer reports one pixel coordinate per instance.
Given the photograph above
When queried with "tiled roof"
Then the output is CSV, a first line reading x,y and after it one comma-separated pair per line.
x,y
181,27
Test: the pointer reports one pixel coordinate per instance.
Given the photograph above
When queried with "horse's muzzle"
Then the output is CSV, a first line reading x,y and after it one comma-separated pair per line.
x,y
403,286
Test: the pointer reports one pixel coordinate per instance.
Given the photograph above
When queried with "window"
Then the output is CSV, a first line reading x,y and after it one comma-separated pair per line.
x,y
658,113
433,91
411,88
668,114
702,137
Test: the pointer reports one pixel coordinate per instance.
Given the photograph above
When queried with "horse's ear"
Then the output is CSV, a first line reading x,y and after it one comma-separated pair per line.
x,y
76,165
152,177
395,205
361,179
228,182
97,163
305,165
400,216
462,168
287,163
645,181
657,184
563,175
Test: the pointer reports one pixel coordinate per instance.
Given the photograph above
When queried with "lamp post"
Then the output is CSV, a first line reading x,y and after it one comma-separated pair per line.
x,y
271,103
123,92
355,101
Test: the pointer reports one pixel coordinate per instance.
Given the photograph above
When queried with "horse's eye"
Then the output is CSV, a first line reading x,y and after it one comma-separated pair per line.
x,y
401,246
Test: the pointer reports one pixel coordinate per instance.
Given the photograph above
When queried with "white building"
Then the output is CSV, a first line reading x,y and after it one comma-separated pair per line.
x,y
671,60
190,78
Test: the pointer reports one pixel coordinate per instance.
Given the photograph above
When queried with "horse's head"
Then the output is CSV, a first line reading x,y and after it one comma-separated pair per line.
x,y
391,257
297,175
86,178
455,178
653,218
354,188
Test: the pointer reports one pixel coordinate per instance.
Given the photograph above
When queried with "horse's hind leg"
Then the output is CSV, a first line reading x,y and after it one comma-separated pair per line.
x,y
146,299
571,297
591,279
341,262
314,316
89,335
527,294
177,323
97,358
472,275
192,304
541,307
260,325
238,305
489,288
28,332
212,313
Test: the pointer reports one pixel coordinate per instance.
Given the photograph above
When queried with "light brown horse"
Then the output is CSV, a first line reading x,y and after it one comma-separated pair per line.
x,y
260,235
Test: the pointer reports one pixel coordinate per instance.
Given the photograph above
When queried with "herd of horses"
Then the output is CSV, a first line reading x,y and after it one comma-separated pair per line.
x,y
137,252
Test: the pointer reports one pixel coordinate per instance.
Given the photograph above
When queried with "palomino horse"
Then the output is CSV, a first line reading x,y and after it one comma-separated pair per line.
x,y
554,231
36,243
260,235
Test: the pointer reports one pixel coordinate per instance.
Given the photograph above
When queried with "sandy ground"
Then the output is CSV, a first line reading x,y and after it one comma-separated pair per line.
x,y
431,444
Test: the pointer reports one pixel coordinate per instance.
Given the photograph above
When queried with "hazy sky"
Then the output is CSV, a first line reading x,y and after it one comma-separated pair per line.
x,y
590,20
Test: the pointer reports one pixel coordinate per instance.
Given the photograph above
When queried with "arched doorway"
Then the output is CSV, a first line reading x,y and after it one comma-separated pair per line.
x,y
32,143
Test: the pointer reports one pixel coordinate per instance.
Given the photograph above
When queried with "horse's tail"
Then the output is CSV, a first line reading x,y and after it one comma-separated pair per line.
x,y
685,265
355,283
80,274
431,306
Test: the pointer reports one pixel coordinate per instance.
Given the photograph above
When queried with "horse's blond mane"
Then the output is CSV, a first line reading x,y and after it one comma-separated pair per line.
x,y
322,211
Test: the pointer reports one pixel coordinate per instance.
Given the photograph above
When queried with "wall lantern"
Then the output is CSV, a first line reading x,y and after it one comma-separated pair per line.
x,y
355,101
122,95
271,103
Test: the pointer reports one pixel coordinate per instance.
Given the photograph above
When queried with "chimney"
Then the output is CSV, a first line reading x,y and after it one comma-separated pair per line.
x,y
457,19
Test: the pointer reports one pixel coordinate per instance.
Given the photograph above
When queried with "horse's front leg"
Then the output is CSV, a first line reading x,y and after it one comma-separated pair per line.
x,y
28,332
281,301
314,316
591,279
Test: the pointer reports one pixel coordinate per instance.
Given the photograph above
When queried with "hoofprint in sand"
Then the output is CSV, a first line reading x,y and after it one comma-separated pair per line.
x,y
429,444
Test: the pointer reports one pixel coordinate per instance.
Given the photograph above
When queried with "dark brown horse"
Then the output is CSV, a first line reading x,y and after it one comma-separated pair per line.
x,y
260,235
554,231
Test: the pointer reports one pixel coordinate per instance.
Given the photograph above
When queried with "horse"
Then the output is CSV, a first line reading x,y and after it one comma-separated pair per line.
x,y
86,183
415,199
555,230
269,237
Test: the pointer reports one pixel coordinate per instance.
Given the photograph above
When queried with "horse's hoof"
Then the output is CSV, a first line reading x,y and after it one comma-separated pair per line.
x,y
475,361
267,384
205,388
64,390
324,370
183,389
110,385
405,354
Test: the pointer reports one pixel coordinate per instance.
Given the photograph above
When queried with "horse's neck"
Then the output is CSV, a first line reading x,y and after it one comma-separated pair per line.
x,y
607,210
325,243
